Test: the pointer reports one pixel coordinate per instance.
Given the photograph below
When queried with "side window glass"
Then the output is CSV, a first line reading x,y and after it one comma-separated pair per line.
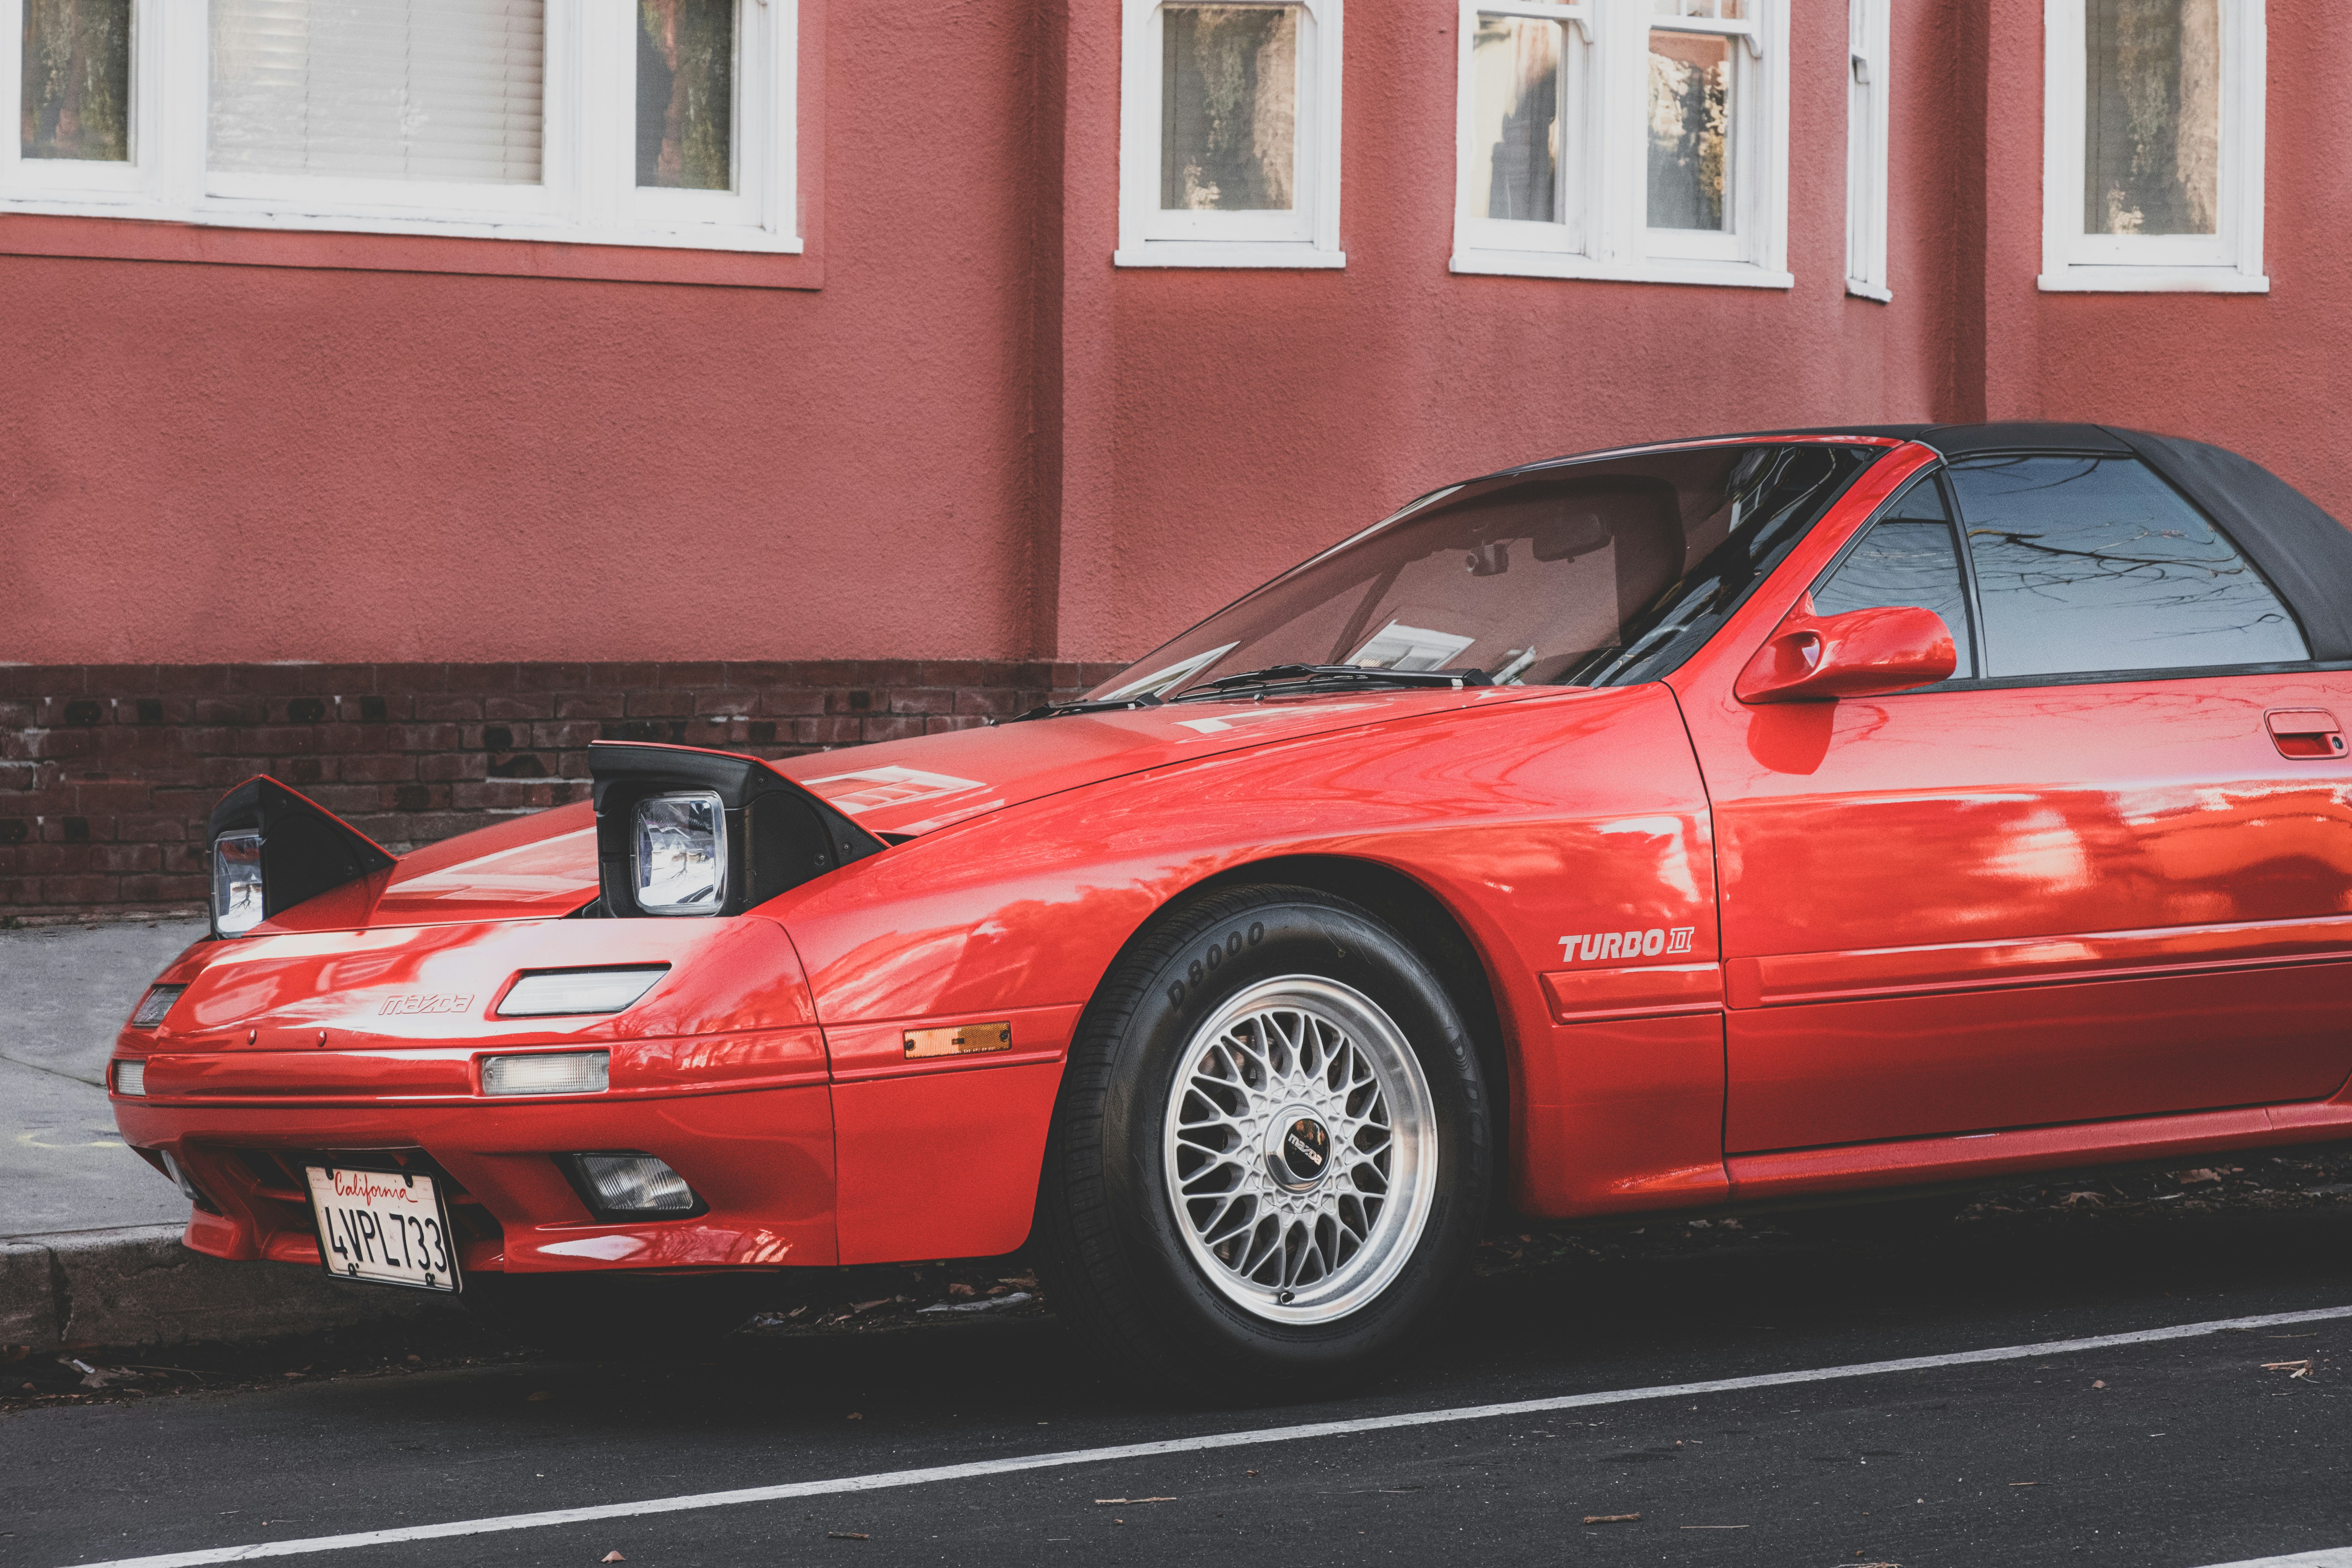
x,y
2088,564
1908,557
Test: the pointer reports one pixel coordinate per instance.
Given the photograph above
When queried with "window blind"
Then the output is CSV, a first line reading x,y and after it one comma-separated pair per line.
x,y
386,89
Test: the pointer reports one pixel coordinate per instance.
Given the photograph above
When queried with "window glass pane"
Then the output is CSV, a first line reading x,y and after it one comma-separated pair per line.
x,y
1229,107
383,89
2095,564
2152,127
686,94
77,87
1905,560
1690,129
1724,10
1604,572
1514,110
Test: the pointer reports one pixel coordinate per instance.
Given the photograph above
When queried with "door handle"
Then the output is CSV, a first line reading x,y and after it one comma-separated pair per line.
x,y
2304,733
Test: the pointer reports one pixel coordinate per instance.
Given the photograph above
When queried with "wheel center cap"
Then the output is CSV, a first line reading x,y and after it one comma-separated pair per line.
x,y
1298,1149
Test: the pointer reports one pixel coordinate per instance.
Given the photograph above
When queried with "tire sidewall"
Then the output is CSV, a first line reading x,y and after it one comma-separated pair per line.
x,y
1231,949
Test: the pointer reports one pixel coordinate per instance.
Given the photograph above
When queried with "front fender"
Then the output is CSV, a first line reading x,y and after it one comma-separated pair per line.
x,y
1531,820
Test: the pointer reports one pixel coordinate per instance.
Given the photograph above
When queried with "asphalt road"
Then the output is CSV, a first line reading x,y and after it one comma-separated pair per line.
x,y
2176,1454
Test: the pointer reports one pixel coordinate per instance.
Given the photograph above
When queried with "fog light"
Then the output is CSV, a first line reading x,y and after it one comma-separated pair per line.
x,y
555,993
154,1005
130,1078
548,1072
634,1183
179,1178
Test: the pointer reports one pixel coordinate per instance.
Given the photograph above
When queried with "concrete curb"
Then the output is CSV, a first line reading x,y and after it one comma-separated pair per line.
x,y
139,1286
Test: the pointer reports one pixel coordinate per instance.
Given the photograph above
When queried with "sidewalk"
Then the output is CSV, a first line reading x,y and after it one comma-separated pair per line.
x,y
90,1249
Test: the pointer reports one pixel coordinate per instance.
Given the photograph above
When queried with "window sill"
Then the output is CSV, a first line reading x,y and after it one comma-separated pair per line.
x,y
1877,291
1283,253
2083,279
1555,264
674,255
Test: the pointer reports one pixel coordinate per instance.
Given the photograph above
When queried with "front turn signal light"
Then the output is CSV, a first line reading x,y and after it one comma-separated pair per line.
x,y
548,1072
131,1078
154,1005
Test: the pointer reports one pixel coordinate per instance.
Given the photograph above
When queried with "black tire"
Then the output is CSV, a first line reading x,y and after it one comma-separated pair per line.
x,y
614,1316
1116,1262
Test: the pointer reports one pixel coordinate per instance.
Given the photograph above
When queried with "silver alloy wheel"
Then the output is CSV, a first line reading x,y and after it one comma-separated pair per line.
x,y
1300,1150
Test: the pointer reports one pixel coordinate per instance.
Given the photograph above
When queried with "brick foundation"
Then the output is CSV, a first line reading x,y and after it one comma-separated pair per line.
x,y
108,772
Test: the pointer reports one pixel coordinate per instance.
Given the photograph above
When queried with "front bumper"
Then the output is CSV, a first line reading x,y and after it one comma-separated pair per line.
x,y
761,1158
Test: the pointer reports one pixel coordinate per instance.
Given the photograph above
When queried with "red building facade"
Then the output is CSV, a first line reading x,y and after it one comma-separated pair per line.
x,y
936,367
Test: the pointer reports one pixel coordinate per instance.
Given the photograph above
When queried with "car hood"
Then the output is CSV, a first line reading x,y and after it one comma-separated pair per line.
x,y
545,864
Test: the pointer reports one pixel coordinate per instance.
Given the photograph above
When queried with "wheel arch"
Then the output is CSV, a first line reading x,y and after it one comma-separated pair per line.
x,y
1419,916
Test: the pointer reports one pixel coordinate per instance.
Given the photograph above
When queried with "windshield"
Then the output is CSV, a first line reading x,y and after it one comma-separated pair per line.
x,y
1605,572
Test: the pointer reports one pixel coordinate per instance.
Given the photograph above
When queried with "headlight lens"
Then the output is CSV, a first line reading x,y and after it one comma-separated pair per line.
x,y
548,1072
558,993
130,1078
636,1184
154,1005
237,882
680,859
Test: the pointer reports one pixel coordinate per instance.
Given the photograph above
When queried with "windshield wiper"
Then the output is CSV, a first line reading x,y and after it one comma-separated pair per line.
x,y
1098,705
1314,674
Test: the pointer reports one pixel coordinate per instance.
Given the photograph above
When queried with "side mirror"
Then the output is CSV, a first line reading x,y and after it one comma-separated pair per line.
x,y
1862,653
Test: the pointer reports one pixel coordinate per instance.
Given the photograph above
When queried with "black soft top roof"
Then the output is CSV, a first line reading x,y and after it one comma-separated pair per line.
x,y
2304,551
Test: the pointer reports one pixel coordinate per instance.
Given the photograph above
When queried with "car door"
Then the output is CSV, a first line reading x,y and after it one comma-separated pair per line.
x,y
2105,871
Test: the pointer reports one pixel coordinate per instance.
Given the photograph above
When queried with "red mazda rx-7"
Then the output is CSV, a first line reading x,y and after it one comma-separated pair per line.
x,y
1746,823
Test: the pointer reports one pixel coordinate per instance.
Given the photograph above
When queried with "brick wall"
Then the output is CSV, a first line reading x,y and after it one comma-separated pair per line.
x,y
107,772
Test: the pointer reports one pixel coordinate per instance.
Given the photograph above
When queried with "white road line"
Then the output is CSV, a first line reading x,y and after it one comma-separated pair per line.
x,y
2334,1557
888,1479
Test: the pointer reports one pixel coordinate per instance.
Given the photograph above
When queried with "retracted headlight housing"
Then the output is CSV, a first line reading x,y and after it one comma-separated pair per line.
x,y
681,831
272,849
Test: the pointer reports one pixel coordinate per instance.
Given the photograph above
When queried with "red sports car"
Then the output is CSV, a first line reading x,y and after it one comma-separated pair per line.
x,y
1718,824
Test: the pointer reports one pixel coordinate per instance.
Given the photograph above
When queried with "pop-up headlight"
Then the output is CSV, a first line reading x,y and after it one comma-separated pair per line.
x,y
621,1185
236,883
680,857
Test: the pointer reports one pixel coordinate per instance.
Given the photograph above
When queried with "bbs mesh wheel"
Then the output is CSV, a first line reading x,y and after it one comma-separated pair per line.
x,y
1271,1152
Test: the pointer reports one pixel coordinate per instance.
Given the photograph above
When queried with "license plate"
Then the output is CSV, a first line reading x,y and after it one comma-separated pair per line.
x,y
386,1227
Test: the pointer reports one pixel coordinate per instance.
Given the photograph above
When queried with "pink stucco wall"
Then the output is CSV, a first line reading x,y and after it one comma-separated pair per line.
x,y
977,439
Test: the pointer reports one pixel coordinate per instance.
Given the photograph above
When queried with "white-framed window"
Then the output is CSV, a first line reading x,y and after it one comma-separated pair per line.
x,y
1638,140
1229,133
2152,145
642,122
1869,24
